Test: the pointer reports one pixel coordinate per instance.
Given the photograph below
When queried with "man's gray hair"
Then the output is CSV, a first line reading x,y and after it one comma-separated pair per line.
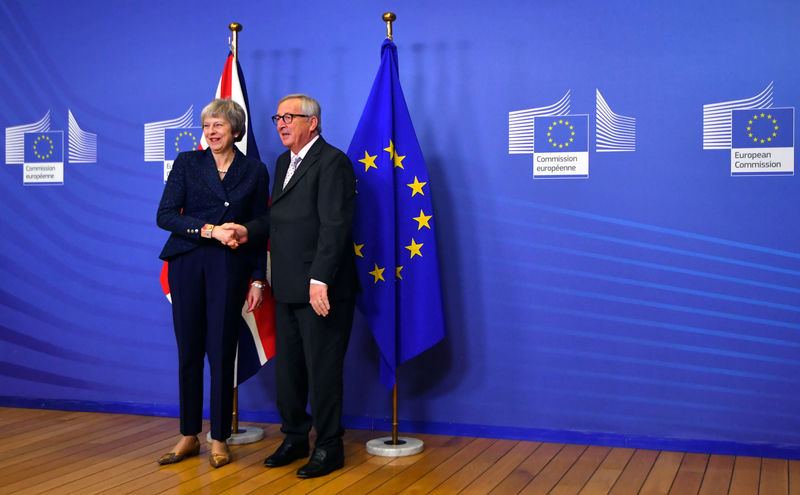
x,y
309,106
230,111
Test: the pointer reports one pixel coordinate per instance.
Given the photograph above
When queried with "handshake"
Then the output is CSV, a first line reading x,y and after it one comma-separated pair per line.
x,y
230,234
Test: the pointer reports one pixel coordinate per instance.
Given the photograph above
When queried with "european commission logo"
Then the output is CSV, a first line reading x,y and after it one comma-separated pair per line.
x,y
44,147
163,140
762,142
559,141
561,146
760,137
180,140
40,150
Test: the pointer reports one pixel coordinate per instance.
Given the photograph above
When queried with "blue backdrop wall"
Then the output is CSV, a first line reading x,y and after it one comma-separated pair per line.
x,y
651,299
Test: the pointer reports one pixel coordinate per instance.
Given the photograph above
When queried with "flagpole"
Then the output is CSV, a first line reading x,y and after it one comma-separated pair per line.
x,y
389,17
245,434
235,27
395,446
394,413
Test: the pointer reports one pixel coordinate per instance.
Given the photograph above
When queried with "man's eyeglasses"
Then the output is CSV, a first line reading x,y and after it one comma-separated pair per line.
x,y
287,117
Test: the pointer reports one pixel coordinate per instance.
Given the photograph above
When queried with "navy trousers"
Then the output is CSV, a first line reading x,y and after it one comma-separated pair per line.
x,y
208,286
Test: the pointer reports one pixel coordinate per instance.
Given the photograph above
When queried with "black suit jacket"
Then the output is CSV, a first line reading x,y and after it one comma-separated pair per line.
x,y
194,196
309,226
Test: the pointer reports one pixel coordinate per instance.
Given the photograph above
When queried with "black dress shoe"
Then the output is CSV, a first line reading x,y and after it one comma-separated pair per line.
x,y
287,453
322,462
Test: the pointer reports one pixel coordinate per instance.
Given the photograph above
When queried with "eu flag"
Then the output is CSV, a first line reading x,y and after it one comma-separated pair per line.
x,y
44,147
762,128
181,139
394,226
561,133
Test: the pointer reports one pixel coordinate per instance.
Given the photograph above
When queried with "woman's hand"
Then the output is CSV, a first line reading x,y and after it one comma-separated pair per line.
x,y
255,296
239,232
226,236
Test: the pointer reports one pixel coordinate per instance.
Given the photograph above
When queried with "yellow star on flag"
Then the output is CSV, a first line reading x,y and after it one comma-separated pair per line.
x,y
368,161
390,149
377,273
398,272
416,187
357,249
414,248
423,220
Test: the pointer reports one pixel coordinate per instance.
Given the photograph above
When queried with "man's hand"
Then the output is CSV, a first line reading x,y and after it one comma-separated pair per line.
x,y
235,234
318,298
225,236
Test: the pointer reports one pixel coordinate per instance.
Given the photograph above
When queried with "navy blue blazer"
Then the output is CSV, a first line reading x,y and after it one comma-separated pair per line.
x,y
194,196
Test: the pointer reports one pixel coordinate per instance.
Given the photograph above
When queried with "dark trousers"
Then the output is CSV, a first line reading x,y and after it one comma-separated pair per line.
x,y
309,362
208,286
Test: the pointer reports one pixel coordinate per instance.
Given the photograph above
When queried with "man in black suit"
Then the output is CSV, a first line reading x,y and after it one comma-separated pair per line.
x,y
314,282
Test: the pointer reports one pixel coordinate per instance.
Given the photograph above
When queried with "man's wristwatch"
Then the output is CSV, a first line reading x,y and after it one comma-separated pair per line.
x,y
206,230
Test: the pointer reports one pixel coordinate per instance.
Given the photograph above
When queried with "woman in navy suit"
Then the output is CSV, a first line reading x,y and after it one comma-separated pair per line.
x,y
208,280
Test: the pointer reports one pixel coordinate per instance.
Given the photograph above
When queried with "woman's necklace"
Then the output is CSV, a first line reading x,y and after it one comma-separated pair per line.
x,y
223,171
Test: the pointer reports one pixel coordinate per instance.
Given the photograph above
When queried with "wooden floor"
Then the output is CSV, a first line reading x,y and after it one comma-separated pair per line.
x,y
58,452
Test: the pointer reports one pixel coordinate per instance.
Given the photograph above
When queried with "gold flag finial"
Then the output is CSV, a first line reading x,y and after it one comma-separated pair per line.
x,y
389,17
235,27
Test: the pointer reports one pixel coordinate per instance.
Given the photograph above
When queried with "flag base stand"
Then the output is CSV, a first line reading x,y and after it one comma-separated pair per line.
x,y
241,434
244,435
395,446
385,448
